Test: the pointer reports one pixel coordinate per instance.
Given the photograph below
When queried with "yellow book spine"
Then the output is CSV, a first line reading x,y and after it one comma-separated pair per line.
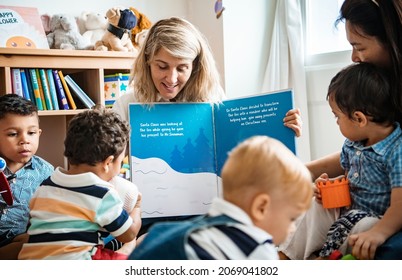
x,y
67,91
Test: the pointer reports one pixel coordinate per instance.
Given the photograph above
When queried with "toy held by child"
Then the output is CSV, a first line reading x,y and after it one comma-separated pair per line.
x,y
75,209
127,190
265,188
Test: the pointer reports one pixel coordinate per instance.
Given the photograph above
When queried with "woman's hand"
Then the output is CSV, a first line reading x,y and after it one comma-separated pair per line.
x,y
293,120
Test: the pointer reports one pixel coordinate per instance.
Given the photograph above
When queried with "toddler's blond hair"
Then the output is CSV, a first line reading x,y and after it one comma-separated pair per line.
x,y
263,164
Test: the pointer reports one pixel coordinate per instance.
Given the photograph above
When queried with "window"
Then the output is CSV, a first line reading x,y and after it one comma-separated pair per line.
x,y
322,36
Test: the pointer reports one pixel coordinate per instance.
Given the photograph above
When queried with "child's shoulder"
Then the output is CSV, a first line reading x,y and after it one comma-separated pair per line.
x,y
40,163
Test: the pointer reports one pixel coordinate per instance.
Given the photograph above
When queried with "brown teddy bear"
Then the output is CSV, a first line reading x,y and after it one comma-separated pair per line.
x,y
117,37
142,23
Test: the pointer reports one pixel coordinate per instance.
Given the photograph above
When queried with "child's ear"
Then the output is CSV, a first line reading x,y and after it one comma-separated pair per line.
x,y
360,118
107,162
260,206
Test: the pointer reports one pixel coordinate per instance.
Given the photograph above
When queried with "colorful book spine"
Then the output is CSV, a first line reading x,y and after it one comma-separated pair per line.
x,y
67,91
46,90
29,82
35,87
24,83
16,80
42,95
63,104
52,89
82,96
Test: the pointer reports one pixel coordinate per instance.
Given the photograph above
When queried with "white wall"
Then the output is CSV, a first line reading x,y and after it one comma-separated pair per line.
x,y
247,32
202,14
325,136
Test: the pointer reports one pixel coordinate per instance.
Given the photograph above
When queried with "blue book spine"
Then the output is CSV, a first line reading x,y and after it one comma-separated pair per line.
x,y
60,91
35,86
24,83
29,82
52,89
46,90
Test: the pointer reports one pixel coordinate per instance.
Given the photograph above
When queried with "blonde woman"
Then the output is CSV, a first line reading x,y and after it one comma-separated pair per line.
x,y
176,64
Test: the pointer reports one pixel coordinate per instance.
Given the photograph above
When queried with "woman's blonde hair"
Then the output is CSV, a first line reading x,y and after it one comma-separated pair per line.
x,y
182,40
263,164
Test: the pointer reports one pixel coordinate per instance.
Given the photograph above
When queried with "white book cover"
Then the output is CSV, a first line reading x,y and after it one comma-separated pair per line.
x,y
21,27
16,80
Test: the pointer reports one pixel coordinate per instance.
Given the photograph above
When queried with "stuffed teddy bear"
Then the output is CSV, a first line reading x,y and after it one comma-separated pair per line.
x,y
92,26
64,33
117,36
142,23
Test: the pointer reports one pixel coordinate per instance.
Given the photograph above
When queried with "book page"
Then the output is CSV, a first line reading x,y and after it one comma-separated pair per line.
x,y
238,119
172,158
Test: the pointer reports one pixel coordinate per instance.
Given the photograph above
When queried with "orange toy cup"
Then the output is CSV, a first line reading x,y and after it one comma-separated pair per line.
x,y
335,193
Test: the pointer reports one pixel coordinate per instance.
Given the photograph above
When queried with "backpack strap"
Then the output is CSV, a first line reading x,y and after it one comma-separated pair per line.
x,y
166,241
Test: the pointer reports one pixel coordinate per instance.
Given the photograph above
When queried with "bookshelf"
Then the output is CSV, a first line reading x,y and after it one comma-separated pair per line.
x,y
86,67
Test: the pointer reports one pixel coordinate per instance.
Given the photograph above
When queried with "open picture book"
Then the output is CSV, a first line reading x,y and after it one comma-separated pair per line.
x,y
177,150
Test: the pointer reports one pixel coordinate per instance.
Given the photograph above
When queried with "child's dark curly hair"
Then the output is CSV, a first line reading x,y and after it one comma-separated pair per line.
x,y
366,88
95,134
15,104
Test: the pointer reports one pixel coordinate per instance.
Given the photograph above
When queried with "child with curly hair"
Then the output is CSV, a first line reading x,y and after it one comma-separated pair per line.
x,y
75,209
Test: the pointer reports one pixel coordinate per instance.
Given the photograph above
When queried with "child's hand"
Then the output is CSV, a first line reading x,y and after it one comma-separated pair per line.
x,y
365,244
317,193
293,120
139,199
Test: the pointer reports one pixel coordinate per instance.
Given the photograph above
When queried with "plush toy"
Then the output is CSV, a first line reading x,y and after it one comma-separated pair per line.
x,y
63,33
117,36
142,23
92,26
140,38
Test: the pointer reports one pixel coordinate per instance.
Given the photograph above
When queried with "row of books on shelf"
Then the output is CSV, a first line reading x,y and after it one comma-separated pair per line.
x,y
49,89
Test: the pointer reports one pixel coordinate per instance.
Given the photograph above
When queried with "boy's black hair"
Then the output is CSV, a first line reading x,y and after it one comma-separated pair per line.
x,y
94,135
15,104
363,87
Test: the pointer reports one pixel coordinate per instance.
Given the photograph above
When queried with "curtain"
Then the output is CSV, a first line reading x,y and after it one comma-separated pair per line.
x,y
285,67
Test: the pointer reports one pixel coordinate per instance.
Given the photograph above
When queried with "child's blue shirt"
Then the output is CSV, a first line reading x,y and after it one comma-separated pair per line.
x,y
14,219
373,171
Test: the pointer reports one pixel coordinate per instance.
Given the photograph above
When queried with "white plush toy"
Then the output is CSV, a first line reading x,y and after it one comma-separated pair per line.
x,y
92,26
140,38
64,33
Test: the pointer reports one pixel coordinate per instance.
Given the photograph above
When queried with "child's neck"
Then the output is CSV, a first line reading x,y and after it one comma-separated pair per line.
x,y
14,167
99,169
83,168
378,133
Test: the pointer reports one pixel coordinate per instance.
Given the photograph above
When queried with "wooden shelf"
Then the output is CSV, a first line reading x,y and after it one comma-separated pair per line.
x,y
88,69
